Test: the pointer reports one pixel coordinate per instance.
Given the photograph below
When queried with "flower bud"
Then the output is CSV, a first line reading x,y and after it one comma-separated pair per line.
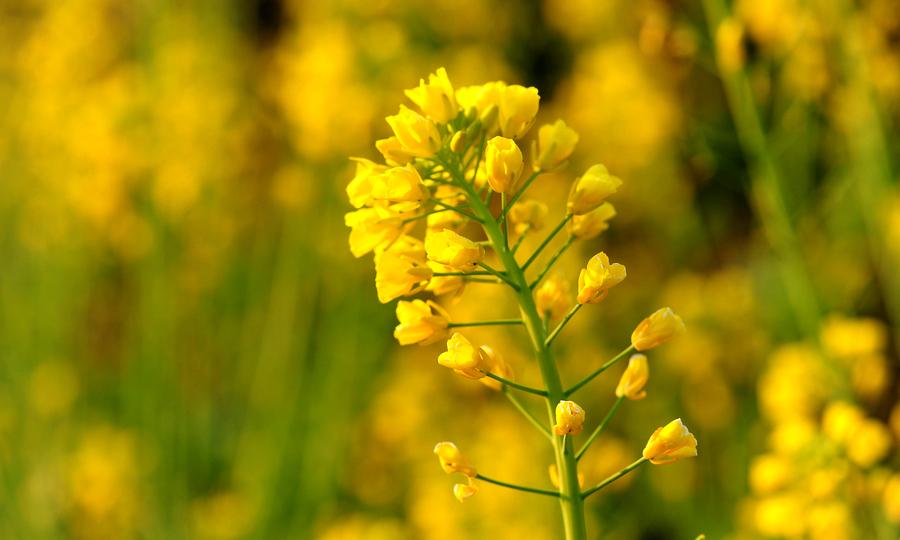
x,y
569,417
359,191
634,378
500,369
590,225
661,327
871,442
402,186
670,443
473,130
555,143
463,491
399,275
471,113
554,477
598,278
466,359
453,250
436,99
418,135
891,499
393,152
372,228
518,108
553,296
421,322
452,461
503,161
589,191
458,142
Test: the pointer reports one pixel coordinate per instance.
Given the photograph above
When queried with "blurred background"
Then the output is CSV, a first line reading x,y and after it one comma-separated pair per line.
x,y
189,350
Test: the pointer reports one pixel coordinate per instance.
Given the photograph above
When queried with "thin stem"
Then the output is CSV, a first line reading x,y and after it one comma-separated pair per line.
x,y
603,368
476,273
562,323
518,386
521,237
521,191
486,323
600,428
456,209
550,264
498,274
426,214
505,221
546,320
534,421
546,241
484,280
614,477
520,488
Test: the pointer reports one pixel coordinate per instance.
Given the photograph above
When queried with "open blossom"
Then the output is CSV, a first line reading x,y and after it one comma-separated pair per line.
x,y
661,327
518,109
464,491
598,278
555,143
453,250
569,417
635,377
401,186
466,359
436,98
503,162
393,151
553,297
670,443
372,228
452,461
397,275
589,191
525,214
360,188
422,322
417,134
500,369
590,225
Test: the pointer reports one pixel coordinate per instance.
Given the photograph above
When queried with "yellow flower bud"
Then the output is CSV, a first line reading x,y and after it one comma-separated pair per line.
x,y
360,188
555,143
466,359
453,250
518,108
554,477
500,369
436,99
590,225
635,377
589,191
670,443
485,99
554,296
730,51
769,473
525,213
503,161
452,461
463,491
393,152
661,327
398,275
418,135
598,278
458,142
891,499
870,443
372,228
421,322
402,186
445,284
569,417
840,419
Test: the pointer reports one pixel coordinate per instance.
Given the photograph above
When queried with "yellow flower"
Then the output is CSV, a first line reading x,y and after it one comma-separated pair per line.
x,y
555,143
730,52
360,188
466,359
463,491
670,443
891,499
402,186
500,369
598,278
525,213
518,108
452,461
769,473
422,322
569,417
372,228
436,99
393,151
503,161
453,250
554,477
870,443
399,275
554,296
661,327
634,378
485,99
840,419
417,134
849,338
445,284
590,225
589,191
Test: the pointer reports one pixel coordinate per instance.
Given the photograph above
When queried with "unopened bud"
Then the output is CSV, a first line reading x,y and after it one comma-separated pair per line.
x,y
458,142
474,129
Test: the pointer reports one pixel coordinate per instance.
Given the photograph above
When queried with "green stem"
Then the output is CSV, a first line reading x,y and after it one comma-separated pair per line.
x,y
486,323
600,428
456,209
614,477
520,488
521,237
476,273
546,241
498,274
484,280
562,323
426,214
505,221
603,368
550,264
520,192
518,386
534,421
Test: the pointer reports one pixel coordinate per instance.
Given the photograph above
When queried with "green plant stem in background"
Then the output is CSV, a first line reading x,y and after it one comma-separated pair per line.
x,y
600,428
486,323
525,412
521,237
546,241
519,194
615,477
518,386
520,488
603,368
562,323
498,274
546,269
